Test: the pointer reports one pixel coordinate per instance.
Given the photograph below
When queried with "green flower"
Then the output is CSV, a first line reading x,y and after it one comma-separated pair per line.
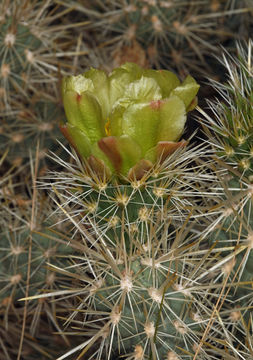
x,y
124,122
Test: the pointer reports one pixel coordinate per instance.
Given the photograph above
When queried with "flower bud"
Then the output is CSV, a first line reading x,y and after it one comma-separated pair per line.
x,y
127,120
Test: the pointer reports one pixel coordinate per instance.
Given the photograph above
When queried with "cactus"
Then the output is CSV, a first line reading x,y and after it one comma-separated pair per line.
x,y
155,301
230,132
15,259
27,244
232,122
23,253
36,125
141,267
33,55
29,49
146,251
178,35
118,161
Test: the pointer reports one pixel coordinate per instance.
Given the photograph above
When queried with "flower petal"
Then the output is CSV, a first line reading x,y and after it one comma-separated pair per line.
x,y
115,121
172,118
166,148
139,170
77,139
140,122
130,153
121,151
98,153
100,82
119,79
166,80
109,146
187,90
135,70
77,84
142,90
83,111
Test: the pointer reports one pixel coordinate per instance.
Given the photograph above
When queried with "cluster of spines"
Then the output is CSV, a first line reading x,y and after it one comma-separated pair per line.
x,y
230,229
232,113
140,232
163,33
140,256
27,244
30,127
36,50
154,298
229,232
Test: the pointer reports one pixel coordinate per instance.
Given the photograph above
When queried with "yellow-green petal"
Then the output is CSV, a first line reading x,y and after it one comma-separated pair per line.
x,y
99,154
130,153
79,140
172,118
78,84
166,80
91,121
144,89
72,109
115,121
118,81
187,90
135,70
140,122
100,90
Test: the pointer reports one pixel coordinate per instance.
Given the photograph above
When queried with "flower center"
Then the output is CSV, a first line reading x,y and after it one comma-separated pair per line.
x,y
107,127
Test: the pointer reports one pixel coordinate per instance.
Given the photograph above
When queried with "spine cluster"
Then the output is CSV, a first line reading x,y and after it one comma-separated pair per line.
x,y
154,263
